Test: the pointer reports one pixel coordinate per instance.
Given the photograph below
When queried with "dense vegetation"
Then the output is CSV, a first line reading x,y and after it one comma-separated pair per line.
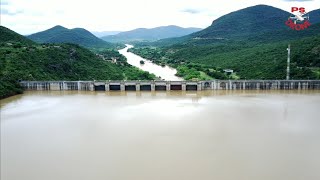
x,y
263,61
25,60
186,69
59,34
9,36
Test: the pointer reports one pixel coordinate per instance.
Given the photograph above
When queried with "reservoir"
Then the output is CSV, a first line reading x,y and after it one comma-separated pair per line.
x,y
166,73
205,135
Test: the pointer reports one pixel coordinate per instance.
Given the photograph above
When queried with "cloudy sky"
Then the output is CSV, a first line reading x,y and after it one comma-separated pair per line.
x,y
30,16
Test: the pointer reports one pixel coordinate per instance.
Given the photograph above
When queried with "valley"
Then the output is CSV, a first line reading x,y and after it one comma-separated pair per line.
x,y
235,46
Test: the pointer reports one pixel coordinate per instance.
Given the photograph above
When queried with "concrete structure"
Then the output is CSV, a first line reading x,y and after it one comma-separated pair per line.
x,y
170,85
228,71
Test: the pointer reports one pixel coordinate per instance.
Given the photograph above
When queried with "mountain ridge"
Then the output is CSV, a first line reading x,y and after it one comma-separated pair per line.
x,y
150,34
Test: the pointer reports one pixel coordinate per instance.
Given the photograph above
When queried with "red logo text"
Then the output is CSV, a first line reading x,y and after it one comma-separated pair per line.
x,y
299,20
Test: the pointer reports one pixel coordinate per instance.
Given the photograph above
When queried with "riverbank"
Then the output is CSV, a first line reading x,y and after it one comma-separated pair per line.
x,y
163,72
185,69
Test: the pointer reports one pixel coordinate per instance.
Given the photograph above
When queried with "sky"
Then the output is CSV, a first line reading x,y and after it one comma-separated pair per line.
x,y
30,16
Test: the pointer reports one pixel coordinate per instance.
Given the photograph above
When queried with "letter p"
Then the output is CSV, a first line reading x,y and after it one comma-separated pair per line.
x,y
293,9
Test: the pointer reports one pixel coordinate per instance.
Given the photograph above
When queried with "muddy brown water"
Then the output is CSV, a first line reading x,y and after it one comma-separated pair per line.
x,y
206,135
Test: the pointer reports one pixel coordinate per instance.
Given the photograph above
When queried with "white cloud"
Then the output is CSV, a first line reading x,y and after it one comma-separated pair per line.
x,y
107,15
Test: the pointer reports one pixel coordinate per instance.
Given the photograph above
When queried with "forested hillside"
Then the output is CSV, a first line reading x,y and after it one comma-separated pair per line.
x,y
21,59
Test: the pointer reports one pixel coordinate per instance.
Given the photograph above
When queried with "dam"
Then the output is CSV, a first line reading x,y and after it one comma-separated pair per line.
x,y
171,85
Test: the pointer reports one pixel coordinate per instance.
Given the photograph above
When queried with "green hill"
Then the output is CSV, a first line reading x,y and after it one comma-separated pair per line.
x,y
21,59
245,22
44,36
256,24
59,34
8,36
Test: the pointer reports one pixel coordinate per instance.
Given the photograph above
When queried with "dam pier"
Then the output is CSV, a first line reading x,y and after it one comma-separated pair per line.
x,y
171,85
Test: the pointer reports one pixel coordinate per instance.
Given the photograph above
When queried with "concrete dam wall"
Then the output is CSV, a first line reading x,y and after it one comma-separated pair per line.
x,y
171,85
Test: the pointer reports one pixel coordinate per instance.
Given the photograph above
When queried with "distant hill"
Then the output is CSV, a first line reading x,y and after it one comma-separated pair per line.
x,y
7,36
100,34
60,34
143,34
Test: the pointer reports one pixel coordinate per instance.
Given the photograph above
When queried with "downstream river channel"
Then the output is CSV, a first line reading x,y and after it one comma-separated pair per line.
x,y
207,135
166,73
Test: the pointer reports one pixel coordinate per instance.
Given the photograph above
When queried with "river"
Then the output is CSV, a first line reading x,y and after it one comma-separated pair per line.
x,y
206,135
166,73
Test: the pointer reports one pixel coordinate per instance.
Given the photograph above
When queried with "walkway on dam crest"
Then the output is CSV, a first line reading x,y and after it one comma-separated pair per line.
x,y
170,85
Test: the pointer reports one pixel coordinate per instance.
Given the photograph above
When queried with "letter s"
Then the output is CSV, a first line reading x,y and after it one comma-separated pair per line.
x,y
302,10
